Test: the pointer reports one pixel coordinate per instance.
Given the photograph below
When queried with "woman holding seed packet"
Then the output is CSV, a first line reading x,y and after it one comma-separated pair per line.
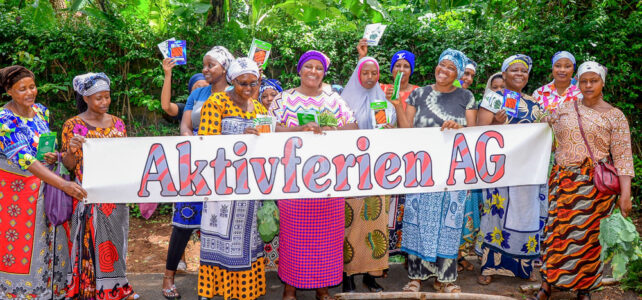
x,y
372,111
512,217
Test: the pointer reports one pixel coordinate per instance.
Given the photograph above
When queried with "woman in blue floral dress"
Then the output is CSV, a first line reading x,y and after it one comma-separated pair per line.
x,y
31,267
512,217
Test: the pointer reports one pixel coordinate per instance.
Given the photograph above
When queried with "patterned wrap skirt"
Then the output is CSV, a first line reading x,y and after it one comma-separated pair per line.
x,y
571,248
34,254
365,247
311,242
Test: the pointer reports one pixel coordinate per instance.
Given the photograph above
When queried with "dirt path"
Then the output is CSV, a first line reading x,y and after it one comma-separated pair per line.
x,y
149,239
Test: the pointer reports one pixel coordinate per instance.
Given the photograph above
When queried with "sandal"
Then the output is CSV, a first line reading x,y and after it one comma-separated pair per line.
x,y
463,264
412,286
133,296
449,287
547,294
170,293
484,279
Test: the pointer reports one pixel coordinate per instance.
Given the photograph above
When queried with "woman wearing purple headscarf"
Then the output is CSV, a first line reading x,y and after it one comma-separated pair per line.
x,y
311,230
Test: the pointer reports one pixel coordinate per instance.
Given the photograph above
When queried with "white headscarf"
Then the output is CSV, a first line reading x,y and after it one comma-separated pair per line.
x,y
91,83
359,98
490,82
240,66
591,66
222,55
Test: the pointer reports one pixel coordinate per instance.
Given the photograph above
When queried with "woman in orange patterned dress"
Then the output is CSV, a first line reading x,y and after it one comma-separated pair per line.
x,y
571,249
98,231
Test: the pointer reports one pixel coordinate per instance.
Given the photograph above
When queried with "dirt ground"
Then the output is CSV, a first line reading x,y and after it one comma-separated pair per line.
x,y
149,239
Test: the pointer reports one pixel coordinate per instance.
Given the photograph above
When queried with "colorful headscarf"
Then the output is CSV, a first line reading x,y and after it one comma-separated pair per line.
x,y
457,57
270,84
518,58
563,54
240,66
591,66
313,54
471,64
196,77
403,54
91,83
359,98
222,55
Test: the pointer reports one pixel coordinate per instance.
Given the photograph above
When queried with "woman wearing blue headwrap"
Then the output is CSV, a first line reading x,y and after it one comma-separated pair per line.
x,y
432,247
270,88
562,88
403,61
512,217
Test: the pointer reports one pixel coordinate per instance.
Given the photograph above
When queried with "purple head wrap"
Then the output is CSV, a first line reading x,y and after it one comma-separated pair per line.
x,y
313,54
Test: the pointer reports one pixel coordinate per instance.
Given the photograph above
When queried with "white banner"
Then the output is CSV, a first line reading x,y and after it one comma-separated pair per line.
x,y
305,165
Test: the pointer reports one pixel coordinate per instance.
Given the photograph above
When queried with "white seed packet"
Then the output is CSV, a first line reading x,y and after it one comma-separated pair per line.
x,y
163,47
373,33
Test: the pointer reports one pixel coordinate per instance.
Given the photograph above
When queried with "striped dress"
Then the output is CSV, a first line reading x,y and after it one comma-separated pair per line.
x,y
311,230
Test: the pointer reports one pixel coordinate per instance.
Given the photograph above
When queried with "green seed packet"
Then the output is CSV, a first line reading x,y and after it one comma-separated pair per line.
x,y
396,86
307,116
259,52
378,113
46,144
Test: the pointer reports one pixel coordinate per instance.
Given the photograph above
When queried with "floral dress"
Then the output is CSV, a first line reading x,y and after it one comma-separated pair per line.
x,y
98,231
512,217
34,254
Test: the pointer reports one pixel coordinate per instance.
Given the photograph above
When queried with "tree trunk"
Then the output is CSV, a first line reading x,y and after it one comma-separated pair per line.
x,y
217,15
58,4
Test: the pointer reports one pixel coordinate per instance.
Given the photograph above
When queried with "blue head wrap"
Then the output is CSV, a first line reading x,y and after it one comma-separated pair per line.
x,y
269,84
457,57
193,80
471,64
563,54
403,54
518,58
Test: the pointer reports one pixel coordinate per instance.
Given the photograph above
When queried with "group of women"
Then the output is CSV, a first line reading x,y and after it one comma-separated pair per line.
x,y
323,241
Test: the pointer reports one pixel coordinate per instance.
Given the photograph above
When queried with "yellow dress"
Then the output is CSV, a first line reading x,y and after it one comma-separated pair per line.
x,y
239,273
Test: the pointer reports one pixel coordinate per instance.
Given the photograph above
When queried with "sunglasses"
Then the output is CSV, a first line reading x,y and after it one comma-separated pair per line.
x,y
245,84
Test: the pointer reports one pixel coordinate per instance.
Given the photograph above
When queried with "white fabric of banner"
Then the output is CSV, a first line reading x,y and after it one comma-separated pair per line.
x,y
304,165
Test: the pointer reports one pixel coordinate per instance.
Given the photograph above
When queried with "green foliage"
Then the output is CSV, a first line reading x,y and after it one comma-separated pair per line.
x,y
620,243
633,279
268,220
120,39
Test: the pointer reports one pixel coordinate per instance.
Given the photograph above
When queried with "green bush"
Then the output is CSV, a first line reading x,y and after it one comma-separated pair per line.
x,y
488,31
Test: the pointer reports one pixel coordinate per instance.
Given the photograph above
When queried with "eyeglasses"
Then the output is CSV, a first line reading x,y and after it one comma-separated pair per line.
x,y
245,84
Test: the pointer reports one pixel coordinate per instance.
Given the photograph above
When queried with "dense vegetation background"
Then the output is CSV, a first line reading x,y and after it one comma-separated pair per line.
x,y
58,39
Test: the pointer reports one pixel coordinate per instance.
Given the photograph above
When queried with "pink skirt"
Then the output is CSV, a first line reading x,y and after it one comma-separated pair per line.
x,y
311,242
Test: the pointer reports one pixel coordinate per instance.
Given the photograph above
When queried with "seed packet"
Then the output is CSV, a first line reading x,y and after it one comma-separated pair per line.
x,y
163,47
492,101
327,119
378,113
396,86
307,116
259,52
511,103
178,51
373,33
46,144
457,83
264,123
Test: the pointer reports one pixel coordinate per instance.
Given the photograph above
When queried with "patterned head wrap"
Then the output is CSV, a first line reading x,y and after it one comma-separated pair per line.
x,y
403,54
196,77
12,74
91,83
591,66
457,57
563,54
471,64
240,66
222,55
489,83
270,84
313,54
518,58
